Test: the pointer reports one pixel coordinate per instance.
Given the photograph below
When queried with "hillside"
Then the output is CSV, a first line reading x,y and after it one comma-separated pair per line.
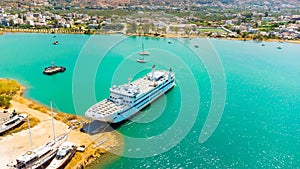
x,y
91,3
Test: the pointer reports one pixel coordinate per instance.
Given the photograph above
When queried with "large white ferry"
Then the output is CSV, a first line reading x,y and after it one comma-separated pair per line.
x,y
127,99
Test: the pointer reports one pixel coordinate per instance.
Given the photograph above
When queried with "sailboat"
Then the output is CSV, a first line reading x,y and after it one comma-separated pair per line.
x,y
40,157
144,52
141,59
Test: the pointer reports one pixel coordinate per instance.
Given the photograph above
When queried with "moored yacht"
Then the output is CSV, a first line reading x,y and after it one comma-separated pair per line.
x,y
144,52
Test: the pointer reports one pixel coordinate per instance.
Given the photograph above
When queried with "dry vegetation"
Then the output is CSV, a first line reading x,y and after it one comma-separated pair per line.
x,y
82,159
8,88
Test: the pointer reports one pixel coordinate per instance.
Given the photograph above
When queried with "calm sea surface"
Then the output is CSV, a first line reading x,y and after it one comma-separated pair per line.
x,y
260,125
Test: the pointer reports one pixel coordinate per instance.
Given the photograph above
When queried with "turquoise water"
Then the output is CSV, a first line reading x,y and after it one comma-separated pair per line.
x,y
260,124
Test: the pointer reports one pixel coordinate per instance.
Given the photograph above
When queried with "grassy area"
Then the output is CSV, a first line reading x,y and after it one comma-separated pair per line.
x,y
212,30
8,88
92,12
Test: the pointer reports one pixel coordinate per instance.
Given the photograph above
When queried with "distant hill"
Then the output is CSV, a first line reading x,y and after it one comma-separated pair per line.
x,y
181,3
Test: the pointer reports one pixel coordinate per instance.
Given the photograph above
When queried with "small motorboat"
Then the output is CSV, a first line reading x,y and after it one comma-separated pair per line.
x,y
196,46
278,47
263,45
55,43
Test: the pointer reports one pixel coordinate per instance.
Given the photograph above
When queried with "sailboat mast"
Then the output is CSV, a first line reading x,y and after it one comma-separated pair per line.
x,y
29,133
52,120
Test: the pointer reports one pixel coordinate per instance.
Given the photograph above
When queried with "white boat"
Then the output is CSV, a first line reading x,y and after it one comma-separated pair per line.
x,y
40,157
144,52
127,99
64,154
141,59
14,121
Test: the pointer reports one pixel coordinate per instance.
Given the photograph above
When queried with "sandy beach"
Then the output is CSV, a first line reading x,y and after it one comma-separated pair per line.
x,y
16,144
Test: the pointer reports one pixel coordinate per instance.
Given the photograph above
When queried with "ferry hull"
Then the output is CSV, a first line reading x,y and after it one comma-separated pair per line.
x,y
128,99
129,112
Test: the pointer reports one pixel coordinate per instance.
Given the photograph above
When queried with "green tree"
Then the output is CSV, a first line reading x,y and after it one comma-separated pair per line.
x,y
154,28
187,30
164,30
146,28
266,14
245,35
176,30
132,28
11,22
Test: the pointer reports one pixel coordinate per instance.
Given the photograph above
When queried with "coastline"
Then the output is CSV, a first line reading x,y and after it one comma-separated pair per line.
x,y
17,142
65,31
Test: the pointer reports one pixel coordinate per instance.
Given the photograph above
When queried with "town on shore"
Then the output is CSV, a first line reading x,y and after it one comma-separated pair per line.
x,y
258,22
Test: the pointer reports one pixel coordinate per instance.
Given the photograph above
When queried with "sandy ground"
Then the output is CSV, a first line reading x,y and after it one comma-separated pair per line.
x,y
14,145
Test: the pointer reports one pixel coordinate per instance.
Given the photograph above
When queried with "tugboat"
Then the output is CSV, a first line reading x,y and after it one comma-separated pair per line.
x,y
55,43
53,69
